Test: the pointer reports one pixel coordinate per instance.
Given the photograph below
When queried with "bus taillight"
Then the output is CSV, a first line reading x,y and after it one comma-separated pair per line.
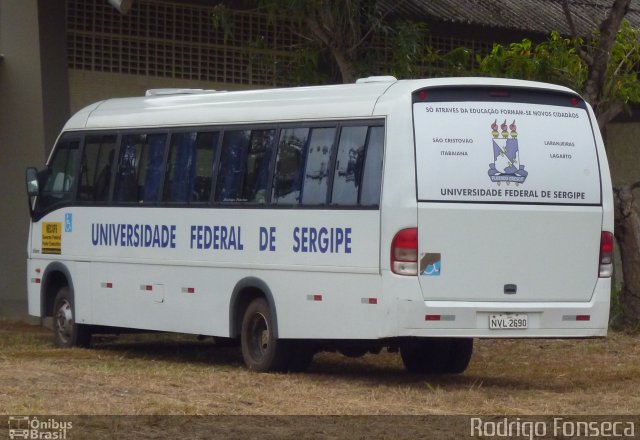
x,y
404,252
606,255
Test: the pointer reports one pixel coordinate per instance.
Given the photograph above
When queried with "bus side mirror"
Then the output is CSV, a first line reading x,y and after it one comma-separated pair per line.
x,y
33,188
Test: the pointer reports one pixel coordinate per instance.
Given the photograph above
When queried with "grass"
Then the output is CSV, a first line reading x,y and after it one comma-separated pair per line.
x,y
176,374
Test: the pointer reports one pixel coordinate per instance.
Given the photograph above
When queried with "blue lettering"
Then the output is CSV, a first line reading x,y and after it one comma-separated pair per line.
x,y
216,237
173,237
305,232
296,239
113,234
136,235
207,237
232,238
240,245
94,234
264,239
129,234
223,237
339,238
104,234
313,234
148,236
323,240
267,238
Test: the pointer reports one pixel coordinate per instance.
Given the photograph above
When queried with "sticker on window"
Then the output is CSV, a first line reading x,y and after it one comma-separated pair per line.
x,y
506,153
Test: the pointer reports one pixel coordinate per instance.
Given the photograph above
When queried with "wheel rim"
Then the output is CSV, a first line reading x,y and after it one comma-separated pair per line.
x,y
64,321
259,337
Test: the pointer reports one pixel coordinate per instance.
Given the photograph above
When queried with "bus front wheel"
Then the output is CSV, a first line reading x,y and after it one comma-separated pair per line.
x,y
261,350
66,332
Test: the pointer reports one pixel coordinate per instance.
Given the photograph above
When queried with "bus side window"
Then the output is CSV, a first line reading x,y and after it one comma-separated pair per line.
x,y
372,174
257,172
348,172
206,149
126,180
140,168
289,166
150,169
190,167
180,169
316,170
232,164
97,162
59,176
244,165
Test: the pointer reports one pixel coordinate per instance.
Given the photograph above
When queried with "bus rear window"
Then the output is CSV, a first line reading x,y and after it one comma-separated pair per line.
x,y
500,150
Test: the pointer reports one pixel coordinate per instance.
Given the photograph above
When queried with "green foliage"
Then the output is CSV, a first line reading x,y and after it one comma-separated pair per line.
x,y
408,49
622,83
352,37
457,61
221,20
557,60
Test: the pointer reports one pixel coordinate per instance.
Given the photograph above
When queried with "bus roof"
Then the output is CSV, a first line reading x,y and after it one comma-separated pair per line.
x,y
266,105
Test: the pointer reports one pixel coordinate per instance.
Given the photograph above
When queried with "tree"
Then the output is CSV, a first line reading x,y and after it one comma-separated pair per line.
x,y
348,35
604,69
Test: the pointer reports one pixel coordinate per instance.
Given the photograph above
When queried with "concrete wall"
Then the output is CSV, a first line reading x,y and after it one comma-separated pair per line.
x,y
33,102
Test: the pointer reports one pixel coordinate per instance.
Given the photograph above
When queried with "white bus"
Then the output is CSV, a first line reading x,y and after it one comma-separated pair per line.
x,y
411,215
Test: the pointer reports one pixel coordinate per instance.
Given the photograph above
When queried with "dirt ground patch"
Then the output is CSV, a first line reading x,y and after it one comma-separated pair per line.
x,y
165,374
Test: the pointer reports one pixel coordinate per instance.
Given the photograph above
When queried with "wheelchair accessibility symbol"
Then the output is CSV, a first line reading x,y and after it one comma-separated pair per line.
x,y
430,264
68,222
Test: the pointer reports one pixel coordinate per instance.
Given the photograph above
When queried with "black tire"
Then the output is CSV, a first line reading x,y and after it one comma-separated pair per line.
x,y
436,355
425,356
300,356
66,332
261,350
459,355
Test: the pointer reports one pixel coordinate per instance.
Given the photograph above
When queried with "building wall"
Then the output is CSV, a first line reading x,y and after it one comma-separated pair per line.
x,y
33,104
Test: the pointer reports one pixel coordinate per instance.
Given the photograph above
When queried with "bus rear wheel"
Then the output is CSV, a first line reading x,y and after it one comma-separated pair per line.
x,y
437,355
261,350
66,332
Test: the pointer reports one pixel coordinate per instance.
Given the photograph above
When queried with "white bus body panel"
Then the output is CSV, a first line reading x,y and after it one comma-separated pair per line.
x,y
336,295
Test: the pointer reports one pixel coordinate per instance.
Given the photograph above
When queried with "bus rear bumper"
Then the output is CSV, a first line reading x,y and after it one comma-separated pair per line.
x,y
472,319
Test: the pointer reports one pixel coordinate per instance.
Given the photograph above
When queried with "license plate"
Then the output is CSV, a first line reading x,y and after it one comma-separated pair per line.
x,y
508,321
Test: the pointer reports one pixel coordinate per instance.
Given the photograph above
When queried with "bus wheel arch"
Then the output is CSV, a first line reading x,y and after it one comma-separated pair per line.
x,y
253,319
247,290
56,276
58,302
